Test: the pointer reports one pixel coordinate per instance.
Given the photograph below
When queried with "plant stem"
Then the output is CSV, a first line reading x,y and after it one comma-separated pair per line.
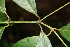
x,y
60,39
41,27
7,16
46,25
19,22
38,17
49,33
56,10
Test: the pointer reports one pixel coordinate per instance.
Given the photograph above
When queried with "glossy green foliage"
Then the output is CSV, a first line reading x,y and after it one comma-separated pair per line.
x,y
65,32
43,40
1,31
2,6
27,42
35,41
28,5
3,17
2,11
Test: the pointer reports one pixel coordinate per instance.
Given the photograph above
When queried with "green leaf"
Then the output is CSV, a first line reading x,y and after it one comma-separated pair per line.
x,y
28,5
1,31
27,42
35,41
2,6
2,11
65,32
3,17
43,41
